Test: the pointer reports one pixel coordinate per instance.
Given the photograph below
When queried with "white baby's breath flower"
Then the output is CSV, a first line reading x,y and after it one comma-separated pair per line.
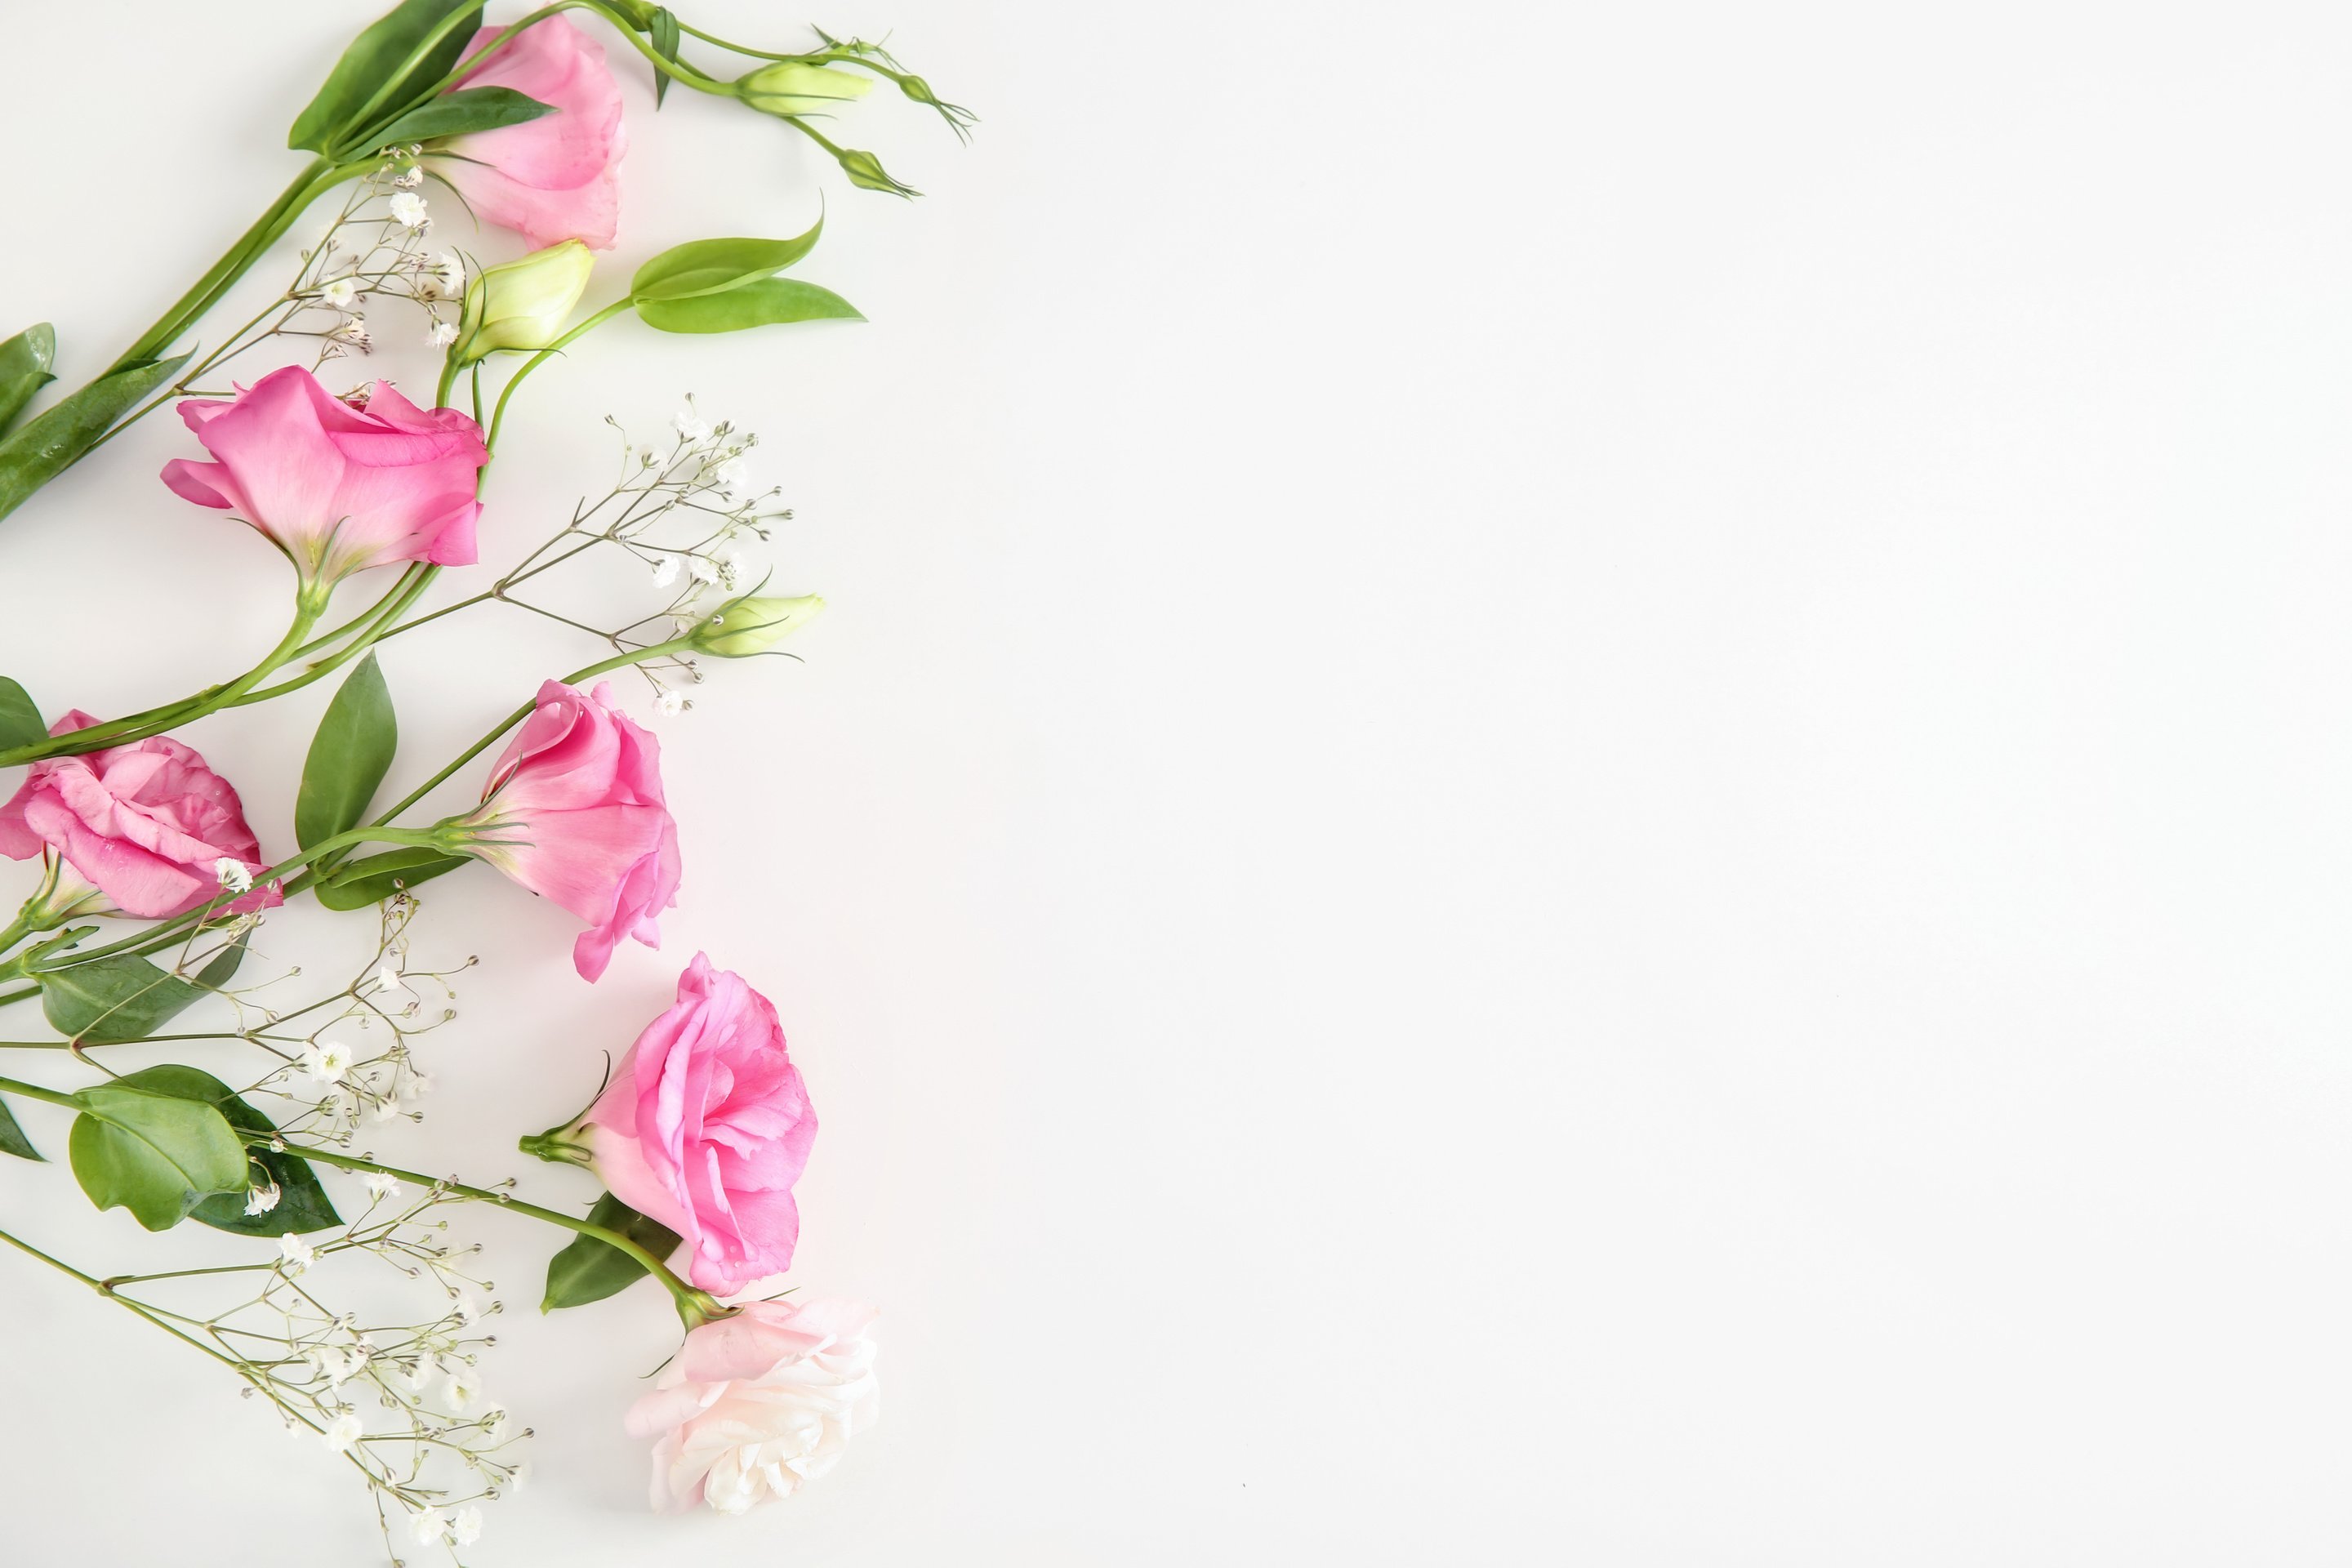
x,y
340,293
343,1432
670,704
428,1527
692,427
353,330
728,476
413,1376
702,569
464,1388
415,1085
408,179
295,1254
517,1479
408,210
328,1061
442,334
494,1421
262,1199
665,570
233,875
468,1310
466,1528
381,1184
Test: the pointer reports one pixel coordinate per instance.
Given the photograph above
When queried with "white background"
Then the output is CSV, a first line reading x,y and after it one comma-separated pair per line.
x,y
1576,792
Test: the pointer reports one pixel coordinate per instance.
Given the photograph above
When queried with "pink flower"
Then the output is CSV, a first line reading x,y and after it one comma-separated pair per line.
x,y
574,811
556,177
340,485
705,1127
759,1404
146,823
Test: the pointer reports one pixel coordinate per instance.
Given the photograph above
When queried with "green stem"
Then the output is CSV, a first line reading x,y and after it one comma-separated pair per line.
x,y
313,181
498,413
694,1306
34,1091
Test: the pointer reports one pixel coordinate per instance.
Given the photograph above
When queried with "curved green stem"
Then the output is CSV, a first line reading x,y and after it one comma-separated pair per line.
x,y
498,411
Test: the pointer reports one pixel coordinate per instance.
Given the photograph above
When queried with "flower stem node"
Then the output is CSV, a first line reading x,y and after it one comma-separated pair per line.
x,y
523,305
752,626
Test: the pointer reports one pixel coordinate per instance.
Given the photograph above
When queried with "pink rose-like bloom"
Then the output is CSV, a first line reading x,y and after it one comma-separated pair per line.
x,y
146,823
340,485
574,811
705,1127
757,1404
556,177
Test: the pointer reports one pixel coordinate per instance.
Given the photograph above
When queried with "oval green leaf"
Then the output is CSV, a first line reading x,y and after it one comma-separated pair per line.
x,y
371,61
715,266
303,1202
54,439
772,301
468,109
20,722
24,361
106,1001
157,1154
376,878
589,1270
349,756
11,1137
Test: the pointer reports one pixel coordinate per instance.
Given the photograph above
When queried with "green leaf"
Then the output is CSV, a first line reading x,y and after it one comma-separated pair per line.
x,y
24,361
371,61
468,109
714,266
661,31
589,1270
55,438
772,301
349,756
156,1154
376,878
20,722
105,1001
11,1137
303,1202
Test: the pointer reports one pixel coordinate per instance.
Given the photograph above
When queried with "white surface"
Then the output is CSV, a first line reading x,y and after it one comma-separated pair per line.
x,y
1576,792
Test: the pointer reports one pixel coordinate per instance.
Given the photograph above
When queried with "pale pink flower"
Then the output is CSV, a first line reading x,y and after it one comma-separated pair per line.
x,y
574,811
706,1126
339,484
556,177
146,823
759,1404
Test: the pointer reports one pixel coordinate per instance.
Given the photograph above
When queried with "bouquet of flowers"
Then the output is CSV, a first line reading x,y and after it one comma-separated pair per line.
x,y
149,884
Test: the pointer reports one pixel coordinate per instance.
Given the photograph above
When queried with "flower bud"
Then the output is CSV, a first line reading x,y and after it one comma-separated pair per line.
x,y
796,86
524,304
749,625
866,170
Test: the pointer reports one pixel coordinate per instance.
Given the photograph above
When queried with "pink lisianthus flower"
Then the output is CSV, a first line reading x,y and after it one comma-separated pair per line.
x,y
556,177
758,1404
574,811
706,1126
146,823
340,485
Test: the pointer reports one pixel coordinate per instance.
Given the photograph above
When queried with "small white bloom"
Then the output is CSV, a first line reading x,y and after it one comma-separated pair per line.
x,y
343,1432
517,1479
692,427
381,1184
670,704
388,975
466,1528
337,1366
353,330
443,334
413,1376
408,210
464,1388
328,1062
428,1527
665,570
340,293
297,1254
702,569
261,1200
408,179
416,1085
494,1421
468,1310
234,876
728,476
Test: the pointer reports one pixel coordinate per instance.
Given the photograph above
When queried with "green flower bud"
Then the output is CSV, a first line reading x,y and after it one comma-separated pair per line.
x,y
526,304
749,625
638,13
796,86
866,170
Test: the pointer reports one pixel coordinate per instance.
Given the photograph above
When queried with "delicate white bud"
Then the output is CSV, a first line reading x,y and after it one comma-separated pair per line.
x,y
234,875
408,210
261,1200
295,1254
343,1432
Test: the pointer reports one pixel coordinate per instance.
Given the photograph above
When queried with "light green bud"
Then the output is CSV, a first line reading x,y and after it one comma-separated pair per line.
x,y
796,86
525,304
749,625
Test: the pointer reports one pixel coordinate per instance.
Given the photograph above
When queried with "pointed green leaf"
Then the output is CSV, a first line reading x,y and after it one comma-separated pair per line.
x,y
303,1202
461,112
20,722
375,877
371,61
589,1270
772,301
105,1001
54,439
11,1137
715,266
155,1153
349,756
24,361
661,31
